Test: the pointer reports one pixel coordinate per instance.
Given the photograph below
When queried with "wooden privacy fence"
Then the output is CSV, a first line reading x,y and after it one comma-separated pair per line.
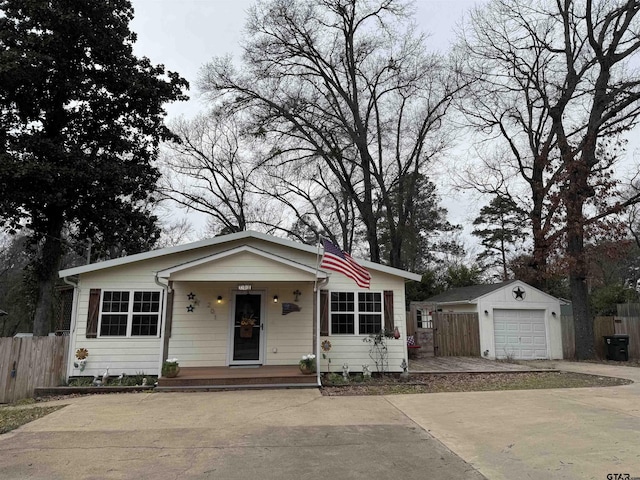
x,y
26,363
603,326
630,326
456,334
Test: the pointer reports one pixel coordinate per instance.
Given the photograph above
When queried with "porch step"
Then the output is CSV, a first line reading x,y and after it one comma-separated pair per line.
x,y
257,386
203,378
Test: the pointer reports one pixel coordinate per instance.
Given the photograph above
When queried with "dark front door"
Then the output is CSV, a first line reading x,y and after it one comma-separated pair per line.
x,y
247,328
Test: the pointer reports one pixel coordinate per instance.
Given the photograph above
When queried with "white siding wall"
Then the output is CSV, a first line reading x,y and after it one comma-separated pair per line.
x,y
201,338
351,349
292,334
130,355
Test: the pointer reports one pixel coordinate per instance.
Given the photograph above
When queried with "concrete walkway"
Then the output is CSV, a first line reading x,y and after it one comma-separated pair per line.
x,y
583,433
466,365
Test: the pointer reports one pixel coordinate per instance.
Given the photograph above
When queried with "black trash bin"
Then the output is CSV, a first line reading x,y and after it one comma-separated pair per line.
x,y
617,347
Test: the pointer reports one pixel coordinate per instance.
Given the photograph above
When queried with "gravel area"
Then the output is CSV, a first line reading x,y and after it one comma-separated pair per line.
x,y
471,382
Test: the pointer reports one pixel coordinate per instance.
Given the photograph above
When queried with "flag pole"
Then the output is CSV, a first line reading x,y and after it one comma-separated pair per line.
x,y
317,313
315,283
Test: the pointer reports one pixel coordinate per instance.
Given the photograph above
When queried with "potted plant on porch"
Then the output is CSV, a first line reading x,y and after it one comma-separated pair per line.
x,y
170,368
308,364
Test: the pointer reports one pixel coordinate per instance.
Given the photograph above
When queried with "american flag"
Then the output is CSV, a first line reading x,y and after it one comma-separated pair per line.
x,y
339,261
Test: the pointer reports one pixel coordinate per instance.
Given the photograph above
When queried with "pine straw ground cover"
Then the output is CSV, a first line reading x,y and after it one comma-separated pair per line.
x,y
464,382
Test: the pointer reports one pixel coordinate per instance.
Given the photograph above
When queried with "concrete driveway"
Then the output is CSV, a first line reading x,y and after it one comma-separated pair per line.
x,y
266,434
582,433
298,434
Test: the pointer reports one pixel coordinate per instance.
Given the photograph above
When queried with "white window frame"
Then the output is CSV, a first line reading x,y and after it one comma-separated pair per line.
x,y
356,312
424,318
130,313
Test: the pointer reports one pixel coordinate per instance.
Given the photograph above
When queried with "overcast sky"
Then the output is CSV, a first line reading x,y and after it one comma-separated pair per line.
x,y
183,35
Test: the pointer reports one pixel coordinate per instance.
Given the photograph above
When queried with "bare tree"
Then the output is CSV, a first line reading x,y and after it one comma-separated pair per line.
x,y
346,84
555,85
175,232
313,199
210,170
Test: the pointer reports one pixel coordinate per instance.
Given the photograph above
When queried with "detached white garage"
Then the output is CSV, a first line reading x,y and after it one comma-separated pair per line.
x,y
515,319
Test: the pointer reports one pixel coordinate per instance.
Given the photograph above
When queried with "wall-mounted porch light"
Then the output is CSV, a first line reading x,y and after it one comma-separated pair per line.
x,y
219,298
275,299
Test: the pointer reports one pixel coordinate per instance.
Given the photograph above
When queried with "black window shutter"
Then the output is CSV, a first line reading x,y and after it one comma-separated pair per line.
x,y
94,310
324,313
388,311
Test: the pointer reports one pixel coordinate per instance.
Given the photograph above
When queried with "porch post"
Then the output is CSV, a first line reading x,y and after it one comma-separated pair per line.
x,y
166,326
316,301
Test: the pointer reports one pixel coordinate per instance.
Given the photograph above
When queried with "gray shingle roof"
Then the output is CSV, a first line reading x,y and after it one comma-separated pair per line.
x,y
466,294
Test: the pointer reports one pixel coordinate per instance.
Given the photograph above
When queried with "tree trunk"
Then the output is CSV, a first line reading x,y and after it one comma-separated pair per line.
x,y
372,239
47,271
582,321
540,241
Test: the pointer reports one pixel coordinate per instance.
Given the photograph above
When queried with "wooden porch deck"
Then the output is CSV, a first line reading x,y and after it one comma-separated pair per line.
x,y
211,378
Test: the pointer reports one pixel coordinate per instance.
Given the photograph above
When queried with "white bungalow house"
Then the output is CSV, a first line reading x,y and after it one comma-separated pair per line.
x,y
515,319
241,300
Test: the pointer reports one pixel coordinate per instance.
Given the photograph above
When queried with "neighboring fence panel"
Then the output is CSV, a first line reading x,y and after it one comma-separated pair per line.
x,y
456,334
603,326
628,310
628,322
568,337
26,363
630,326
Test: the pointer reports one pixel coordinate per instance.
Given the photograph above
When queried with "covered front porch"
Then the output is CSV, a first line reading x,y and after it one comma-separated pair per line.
x,y
213,378
243,316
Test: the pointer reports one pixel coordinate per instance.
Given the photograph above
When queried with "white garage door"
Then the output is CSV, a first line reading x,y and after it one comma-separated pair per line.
x,y
520,334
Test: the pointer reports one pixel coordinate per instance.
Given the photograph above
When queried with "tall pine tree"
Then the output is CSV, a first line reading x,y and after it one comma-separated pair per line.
x,y
500,226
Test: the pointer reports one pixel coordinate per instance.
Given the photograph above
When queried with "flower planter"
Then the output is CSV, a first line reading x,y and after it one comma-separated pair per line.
x,y
307,370
170,372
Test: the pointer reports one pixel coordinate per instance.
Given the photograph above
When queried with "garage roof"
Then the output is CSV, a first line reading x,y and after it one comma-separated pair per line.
x,y
467,294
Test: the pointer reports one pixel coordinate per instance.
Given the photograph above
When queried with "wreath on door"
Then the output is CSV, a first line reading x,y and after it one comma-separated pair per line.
x,y
246,327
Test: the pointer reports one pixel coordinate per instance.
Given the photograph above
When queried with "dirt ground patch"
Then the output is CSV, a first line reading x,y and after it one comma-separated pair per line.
x,y
14,417
471,382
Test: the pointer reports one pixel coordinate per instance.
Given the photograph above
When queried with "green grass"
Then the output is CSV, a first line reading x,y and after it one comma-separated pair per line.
x,y
12,417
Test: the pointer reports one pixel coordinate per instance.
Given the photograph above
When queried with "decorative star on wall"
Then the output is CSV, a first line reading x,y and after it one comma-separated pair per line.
x,y
190,308
518,293
191,296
